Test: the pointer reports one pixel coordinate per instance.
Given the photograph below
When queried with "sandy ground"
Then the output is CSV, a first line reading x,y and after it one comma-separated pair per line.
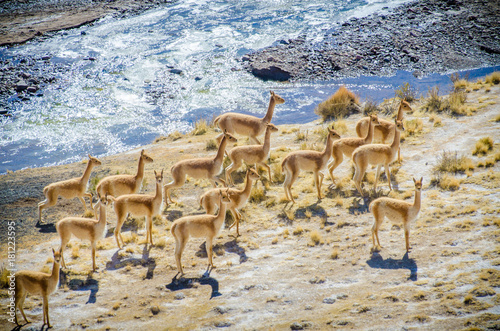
x,y
306,266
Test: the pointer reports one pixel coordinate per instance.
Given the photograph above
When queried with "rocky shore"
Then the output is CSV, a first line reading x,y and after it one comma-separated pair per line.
x,y
25,77
423,37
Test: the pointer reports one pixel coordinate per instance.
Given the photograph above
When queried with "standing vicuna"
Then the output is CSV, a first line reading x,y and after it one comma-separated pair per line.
x,y
199,226
207,168
247,125
239,198
376,154
251,154
118,185
346,146
307,160
139,205
84,229
383,133
37,283
71,188
397,211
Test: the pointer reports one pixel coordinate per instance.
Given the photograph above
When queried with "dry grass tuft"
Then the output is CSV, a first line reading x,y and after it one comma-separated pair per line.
x,y
211,145
298,231
4,273
446,182
413,127
483,146
406,92
341,104
200,127
453,163
316,237
335,254
493,79
257,195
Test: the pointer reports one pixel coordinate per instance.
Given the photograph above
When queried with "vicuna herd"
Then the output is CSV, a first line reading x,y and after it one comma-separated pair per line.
x,y
122,190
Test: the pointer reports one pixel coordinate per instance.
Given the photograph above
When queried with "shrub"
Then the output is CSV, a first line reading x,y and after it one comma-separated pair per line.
x,y
451,162
433,102
370,107
446,182
316,237
455,104
494,78
341,104
483,146
413,127
407,92
200,127
211,145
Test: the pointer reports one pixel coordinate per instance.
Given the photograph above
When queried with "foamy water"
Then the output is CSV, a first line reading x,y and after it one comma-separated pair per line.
x,y
102,107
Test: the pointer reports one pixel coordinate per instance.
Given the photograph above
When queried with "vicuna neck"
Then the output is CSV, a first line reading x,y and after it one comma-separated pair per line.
x,y
400,112
270,111
328,148
369,135
397,135
248,185
222,147
88,170
55,270
140,169
102,213
416,203
267,140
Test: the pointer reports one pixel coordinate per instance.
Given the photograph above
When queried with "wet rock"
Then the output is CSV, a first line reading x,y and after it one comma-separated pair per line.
x,y
21,86
271,73
155,310
32,89
176,71
300,325
45,58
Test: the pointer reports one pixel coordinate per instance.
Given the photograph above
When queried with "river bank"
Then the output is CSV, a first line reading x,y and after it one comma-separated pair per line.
x,y
306,266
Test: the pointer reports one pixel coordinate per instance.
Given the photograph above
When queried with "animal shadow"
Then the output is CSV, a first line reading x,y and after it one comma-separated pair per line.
x,y
46,227
185,283
76,284
377,261
118,262
230,247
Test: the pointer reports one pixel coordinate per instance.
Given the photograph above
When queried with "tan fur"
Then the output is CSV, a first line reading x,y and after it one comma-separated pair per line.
x,y
139,205
307,160
346,146
84,229
376,154
210,199
198,226
397,211
207,168
68,189
124,184
37,283
385,132
251,154
247,125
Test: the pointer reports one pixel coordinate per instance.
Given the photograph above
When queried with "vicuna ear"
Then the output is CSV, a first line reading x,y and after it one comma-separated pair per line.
x,y
142,152
421,180
162,173
53,251
272,93
414,181
89,156
155,172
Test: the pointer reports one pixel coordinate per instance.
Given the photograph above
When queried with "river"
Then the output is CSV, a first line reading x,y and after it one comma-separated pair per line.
x,y
131,80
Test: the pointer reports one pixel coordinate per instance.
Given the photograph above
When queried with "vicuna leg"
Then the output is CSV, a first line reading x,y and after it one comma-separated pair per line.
x,y
209,249
48,202
376,226
265,165
358,176
318,179
218,180
376,178
46,309
118,235
20,296
388,175
149,229
236,216
179,248
64,241
83,202
229,170
407,236
93,256
289,180
337,160
255,140
173,184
